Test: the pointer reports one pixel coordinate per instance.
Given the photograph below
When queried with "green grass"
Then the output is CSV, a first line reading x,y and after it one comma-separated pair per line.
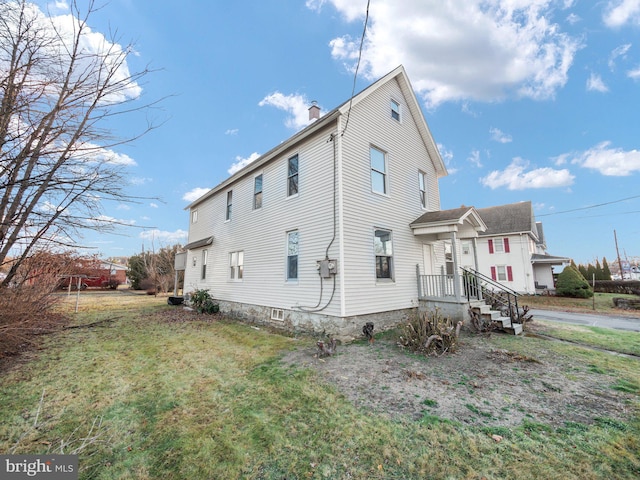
x,y
603,303
621,341
204,399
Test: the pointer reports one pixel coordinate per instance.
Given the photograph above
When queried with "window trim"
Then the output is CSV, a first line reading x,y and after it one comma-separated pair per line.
x,y
227,215
203,268
291,176
389,256
236,265
194,216
290,256
384,174
422,186
256,192
396,113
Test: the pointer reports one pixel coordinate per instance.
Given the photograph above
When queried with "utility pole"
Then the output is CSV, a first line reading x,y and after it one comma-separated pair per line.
x,y
618,253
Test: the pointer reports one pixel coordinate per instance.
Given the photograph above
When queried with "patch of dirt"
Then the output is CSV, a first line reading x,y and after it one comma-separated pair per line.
x,y
479,384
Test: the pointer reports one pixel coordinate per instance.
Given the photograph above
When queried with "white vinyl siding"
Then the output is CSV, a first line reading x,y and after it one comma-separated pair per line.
x,y
356,214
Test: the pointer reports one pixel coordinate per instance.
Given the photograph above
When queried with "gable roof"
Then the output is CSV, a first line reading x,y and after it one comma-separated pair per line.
x,y
511,218
442,221
332,117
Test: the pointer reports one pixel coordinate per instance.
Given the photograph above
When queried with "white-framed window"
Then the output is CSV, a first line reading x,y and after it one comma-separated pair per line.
x,y
499,245
236,265
194,216
422,181
293,248
378,170
502,273
227,215
203,271
466,247
383,250
292,176
448,257
257,192
395,110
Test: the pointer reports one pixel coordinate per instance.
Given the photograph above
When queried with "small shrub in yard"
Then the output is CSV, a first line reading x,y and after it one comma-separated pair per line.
x,y
571,283
202,301
430,333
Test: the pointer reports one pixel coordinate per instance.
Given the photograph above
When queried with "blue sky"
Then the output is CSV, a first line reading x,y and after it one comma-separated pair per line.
x,y
527,100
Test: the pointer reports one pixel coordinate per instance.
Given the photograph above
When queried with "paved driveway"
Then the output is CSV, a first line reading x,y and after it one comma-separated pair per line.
x,y
592,319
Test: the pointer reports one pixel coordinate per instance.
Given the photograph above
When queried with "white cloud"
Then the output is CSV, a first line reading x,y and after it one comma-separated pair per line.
x,y
515,177
447,157
153,205
232,131
499,136
123,206
196,193
240,163
162,236
608,161
634,74
474,158
297,106
595,84
463,49
621,12
617,52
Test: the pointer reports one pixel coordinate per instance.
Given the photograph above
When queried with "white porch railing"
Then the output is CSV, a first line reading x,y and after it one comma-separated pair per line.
x,y
436,286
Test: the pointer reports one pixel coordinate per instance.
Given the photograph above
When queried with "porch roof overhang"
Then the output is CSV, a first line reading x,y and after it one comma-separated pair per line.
x,y
199,243
464,220
538,258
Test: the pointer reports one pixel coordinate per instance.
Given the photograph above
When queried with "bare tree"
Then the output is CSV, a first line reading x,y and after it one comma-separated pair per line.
x,y
61,85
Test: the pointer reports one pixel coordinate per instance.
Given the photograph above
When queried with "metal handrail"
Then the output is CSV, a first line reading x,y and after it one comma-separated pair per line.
x,y
475,279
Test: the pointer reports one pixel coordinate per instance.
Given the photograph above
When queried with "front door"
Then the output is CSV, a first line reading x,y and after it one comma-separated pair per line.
x,y
427,259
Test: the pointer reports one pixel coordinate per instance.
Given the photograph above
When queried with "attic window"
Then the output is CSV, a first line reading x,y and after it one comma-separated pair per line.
x,y
194,216
395,110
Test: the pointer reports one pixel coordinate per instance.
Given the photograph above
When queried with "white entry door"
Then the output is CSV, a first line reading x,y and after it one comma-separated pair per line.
x,y
427,259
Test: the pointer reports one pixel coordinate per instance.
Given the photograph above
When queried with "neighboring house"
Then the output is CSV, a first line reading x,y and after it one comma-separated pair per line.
x,y
337,226
512,250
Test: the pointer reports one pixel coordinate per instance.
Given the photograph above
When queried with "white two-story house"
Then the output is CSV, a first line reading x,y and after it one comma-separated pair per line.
x,y
320,232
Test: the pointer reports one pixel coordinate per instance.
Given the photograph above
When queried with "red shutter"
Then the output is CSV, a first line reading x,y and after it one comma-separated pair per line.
x,y
509,274
506,245
493,272
490,246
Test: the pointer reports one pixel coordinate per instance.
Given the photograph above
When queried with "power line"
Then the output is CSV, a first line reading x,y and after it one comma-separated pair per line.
x,y
355,76
590,206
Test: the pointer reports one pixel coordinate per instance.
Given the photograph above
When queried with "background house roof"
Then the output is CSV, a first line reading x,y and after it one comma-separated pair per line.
x,y
511,218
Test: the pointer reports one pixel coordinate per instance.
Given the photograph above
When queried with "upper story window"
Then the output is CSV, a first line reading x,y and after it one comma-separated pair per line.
x,y
257,192
395,110
194,216
236,265
383,250
229,204
292,255
378,170
203,273
498,245
422,179
292,176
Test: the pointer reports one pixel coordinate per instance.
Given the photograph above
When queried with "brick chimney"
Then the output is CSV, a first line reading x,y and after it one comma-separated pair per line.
x,y
314,111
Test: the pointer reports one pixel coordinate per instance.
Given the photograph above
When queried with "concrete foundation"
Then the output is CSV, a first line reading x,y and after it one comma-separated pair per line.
x,y
295,321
